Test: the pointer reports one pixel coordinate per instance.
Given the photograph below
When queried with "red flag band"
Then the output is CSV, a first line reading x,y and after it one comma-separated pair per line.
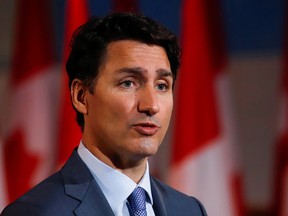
x,y
69,132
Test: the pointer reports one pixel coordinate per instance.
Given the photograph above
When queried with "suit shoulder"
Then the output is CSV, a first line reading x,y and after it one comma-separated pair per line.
x,y
184,203
43,199
21,208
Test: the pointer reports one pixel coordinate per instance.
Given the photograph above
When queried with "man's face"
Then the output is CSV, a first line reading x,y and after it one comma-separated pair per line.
x,y
129,112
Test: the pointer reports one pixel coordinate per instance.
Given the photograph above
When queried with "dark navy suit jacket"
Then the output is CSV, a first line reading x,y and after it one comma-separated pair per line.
x,y
74,191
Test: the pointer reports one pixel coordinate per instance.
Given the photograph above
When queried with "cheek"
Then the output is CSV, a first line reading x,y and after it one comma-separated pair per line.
x,y
167,108
167,105
119,108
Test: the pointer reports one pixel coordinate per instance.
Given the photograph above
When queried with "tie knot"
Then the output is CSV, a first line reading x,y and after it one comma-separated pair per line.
x,y
137,202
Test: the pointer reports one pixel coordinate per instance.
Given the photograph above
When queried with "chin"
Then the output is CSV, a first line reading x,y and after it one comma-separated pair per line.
x,y
148,148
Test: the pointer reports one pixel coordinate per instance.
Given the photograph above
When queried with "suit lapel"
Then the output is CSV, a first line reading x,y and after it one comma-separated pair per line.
x,y
80,184
94,203
158,199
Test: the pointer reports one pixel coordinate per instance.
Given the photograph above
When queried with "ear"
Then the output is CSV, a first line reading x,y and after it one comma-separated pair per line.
x,y
78,96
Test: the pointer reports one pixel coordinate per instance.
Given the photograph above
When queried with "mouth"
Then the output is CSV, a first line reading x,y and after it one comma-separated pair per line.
x,y
146,128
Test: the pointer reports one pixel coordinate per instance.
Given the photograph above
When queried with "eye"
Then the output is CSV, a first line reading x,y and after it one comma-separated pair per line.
x,y
127,84
162,87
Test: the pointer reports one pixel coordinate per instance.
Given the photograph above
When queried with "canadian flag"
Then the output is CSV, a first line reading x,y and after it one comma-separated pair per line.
x,y
203,156
29,136
69,132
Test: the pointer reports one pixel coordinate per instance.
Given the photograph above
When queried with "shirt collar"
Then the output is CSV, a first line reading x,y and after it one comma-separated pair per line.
x,y
115,185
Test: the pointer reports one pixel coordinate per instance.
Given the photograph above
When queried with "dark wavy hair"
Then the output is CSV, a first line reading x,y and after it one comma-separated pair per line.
x,y
89,45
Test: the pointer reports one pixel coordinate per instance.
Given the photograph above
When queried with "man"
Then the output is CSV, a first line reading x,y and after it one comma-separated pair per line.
x,y
121,72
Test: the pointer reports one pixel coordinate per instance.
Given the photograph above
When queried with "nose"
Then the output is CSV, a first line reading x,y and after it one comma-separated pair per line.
x,y
147,101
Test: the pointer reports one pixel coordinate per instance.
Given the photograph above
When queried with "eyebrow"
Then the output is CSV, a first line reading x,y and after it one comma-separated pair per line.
x,y
138,70
164,73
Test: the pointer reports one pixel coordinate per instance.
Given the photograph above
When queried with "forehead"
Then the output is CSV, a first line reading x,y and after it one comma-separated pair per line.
x,y
128,53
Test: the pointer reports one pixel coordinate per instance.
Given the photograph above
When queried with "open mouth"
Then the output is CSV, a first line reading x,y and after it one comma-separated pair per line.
x,y
146,128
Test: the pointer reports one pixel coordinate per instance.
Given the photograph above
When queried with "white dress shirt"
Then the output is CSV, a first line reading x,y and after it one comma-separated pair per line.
x,y
115,185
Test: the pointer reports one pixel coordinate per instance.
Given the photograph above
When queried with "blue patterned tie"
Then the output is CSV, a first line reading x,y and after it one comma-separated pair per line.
x,y
137,202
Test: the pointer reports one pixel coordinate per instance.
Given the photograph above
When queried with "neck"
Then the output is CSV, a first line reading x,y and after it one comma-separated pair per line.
x,y
135,173
133,167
